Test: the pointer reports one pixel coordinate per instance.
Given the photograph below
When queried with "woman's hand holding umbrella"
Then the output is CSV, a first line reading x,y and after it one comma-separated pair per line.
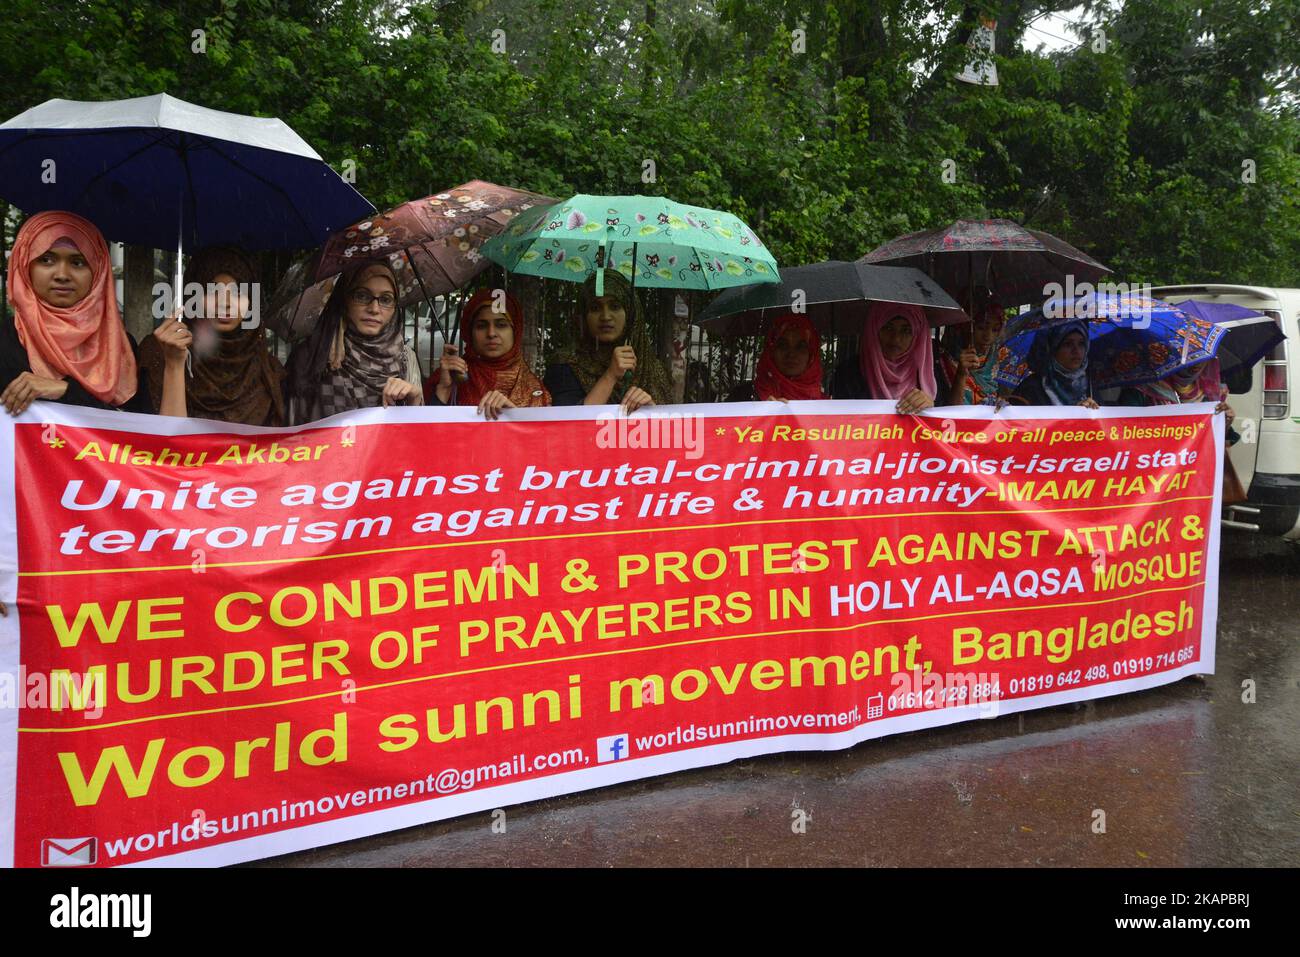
x,y
967,361
622,363
452,366
175,339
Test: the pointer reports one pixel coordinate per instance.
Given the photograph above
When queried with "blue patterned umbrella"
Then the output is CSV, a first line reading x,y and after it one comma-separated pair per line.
x,y
1132,339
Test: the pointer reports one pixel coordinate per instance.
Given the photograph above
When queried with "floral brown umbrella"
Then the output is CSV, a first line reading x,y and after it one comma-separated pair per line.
x,y
432,245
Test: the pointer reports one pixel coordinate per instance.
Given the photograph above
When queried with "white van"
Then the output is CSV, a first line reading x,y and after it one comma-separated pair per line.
x,y
1267,407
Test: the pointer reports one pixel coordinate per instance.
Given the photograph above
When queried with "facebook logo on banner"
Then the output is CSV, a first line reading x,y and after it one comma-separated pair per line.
x,y
614,748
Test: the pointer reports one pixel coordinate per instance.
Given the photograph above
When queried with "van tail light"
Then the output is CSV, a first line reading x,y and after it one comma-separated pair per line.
x,y
1277,395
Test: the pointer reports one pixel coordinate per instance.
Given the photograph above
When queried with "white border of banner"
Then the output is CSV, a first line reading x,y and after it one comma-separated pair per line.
x,y
629,769
9,647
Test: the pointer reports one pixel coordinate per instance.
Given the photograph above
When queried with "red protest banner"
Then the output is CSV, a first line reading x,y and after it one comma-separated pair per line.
x,y
232,644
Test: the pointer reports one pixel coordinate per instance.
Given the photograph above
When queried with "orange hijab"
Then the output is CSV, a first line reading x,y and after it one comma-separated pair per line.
x,y
86,341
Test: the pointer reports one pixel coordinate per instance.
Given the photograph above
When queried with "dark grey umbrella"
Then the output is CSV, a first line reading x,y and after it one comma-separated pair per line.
x,y
835,295
1016,264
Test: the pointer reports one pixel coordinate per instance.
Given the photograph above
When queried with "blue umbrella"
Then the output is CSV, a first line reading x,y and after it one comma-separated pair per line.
x,y
1132,339
1250,335
157,171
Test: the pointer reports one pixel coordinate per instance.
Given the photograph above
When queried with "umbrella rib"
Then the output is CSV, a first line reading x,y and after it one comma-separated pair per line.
x,y
59,134
265,182
126,159
416,273
189,180
424,244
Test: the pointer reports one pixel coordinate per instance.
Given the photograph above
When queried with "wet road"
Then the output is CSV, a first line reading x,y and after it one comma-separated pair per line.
x,y
1186,775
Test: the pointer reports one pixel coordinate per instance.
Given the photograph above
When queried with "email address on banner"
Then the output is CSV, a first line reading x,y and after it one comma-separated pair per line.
x,y
448,781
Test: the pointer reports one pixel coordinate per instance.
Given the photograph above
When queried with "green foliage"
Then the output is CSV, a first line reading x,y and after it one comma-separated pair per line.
x,y
1133,153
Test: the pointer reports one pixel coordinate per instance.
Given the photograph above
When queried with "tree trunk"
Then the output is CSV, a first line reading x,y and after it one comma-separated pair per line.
x,y
137,291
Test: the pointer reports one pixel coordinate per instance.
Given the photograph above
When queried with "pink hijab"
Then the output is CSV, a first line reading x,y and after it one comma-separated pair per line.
x,y
87,341
894,378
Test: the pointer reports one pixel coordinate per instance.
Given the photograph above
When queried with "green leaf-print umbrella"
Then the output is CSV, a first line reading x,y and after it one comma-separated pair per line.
x,y
674,246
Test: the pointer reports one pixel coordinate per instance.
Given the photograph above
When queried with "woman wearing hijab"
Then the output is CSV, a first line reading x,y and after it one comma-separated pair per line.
x,y
493,371
613,340
1059,359
966,362
66,341
894,361
234,376
790,366
1198,382
356,357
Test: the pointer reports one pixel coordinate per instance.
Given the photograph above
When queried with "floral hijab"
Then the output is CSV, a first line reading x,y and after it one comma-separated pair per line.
x,y
1194,383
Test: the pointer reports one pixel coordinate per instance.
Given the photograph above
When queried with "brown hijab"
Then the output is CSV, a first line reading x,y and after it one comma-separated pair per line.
x,y
235,378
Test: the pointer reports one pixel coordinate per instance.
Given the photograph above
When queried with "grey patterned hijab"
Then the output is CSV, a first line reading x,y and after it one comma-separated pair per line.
x,y
337,369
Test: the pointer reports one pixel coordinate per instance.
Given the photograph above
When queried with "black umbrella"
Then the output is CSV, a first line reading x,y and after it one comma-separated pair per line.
x,y
835,295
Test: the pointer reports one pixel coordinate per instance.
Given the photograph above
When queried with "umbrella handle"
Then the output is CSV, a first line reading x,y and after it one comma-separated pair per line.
x,y
180,292
453,331
601,259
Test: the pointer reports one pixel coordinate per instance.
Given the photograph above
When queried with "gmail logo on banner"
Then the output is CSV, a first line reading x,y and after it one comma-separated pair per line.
x,y
69,851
